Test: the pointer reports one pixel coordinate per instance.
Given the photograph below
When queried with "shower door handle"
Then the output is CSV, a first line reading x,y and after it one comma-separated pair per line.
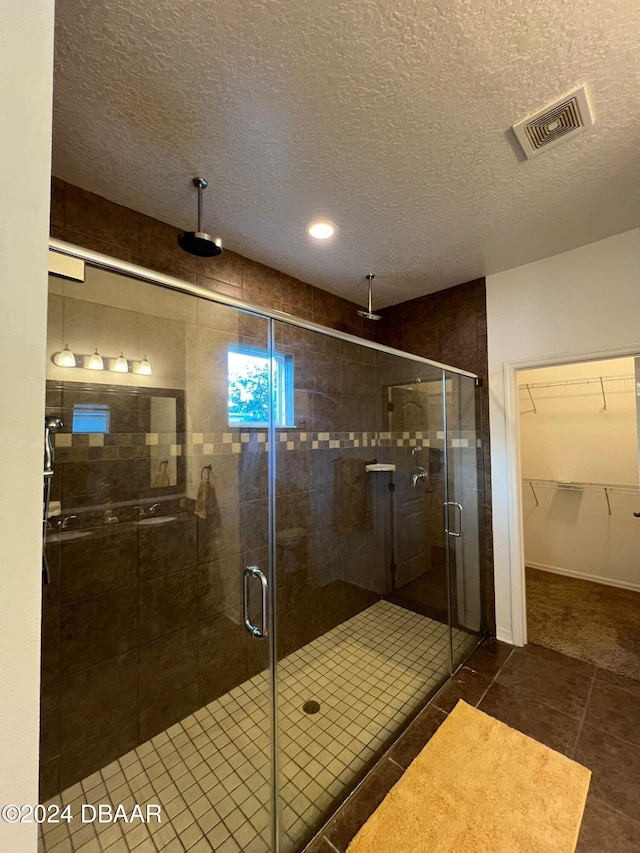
x,y
446,519
255,572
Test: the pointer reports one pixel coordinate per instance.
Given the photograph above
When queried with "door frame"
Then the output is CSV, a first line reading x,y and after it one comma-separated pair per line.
x,y
514,473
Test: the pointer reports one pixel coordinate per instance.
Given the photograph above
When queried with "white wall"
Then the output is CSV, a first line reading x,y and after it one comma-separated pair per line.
x,y
570,307
572,437
26,47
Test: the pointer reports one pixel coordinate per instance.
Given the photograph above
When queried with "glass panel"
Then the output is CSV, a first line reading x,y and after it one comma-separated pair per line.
x,y
465,502
153,689
362,622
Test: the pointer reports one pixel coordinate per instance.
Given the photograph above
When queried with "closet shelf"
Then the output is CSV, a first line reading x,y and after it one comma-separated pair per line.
x,y
591,380
601,381
578,486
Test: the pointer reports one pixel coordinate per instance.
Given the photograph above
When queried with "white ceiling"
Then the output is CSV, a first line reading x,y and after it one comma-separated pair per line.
x,y
390,117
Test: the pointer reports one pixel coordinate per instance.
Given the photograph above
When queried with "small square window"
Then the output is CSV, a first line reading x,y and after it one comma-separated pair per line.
x,y
248,376
91,417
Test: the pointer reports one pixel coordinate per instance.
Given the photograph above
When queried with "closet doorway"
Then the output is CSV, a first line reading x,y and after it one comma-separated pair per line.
x,y
579,454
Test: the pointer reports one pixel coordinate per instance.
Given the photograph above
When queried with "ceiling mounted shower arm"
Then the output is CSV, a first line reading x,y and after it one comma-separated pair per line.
x,y
369,312
200,184
199,243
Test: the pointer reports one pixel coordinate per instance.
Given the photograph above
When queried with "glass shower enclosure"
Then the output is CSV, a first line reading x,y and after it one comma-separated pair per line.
x,y
263,552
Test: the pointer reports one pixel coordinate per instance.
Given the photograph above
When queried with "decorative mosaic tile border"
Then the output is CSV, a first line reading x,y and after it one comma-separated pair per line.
x,y
89,446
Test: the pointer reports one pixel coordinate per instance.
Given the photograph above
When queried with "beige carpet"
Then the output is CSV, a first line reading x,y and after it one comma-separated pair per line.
x,y
479,786
590,621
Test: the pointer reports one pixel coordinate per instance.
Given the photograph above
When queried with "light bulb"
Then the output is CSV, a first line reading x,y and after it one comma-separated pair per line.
x,y
65,358
96,362
145,367
321,230
121,364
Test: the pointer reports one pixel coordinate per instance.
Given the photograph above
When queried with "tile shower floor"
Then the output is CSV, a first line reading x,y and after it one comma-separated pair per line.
x,y
211,772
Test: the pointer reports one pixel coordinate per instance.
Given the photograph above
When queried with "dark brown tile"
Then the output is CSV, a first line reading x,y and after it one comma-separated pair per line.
x,y
297,293
254,524
261,285
222,654
168,603
106,559
319,845
227,267
169,547
565,688
159,250
220,585
218,286
632,686
94,216
252,472
362,804
614,711
49,721
419,733
524,713
51,590
467,685
490,657
167,663
169,708
578,666
219,534
97,698
58,202
615,765
606,831
95,629
103,748
299,600
50,644
49,783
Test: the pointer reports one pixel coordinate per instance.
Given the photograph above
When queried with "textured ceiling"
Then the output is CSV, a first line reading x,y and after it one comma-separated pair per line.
x,y
390,118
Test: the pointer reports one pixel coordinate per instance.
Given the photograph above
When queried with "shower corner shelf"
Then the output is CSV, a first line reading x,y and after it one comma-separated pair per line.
x,y
379,467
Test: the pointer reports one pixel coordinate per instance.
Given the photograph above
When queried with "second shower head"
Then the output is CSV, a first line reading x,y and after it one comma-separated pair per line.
x,y
368,313
197,242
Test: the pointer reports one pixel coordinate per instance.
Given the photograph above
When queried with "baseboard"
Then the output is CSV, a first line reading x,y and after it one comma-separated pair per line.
x,y
554,570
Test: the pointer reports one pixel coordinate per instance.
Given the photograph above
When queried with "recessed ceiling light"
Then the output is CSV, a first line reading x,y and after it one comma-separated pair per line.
x,y
320,230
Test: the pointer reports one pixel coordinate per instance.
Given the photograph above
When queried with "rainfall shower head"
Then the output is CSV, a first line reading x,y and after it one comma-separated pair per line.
x,y
197,242
369,313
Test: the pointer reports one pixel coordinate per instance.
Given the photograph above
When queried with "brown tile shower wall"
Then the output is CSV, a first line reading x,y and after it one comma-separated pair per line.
x,y
88,220
450,326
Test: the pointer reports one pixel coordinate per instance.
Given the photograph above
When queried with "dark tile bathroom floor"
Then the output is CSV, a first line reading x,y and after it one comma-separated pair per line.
x,y
585,712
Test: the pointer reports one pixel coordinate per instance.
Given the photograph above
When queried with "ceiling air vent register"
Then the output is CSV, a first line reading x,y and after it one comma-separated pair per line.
x,y
555,123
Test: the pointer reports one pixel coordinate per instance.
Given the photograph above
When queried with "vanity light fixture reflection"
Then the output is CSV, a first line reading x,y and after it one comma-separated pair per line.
x,y
65,358
144,367
121,365
95,361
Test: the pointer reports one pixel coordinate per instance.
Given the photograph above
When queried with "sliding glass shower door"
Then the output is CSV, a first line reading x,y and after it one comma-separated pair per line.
x,y
365,597
156,643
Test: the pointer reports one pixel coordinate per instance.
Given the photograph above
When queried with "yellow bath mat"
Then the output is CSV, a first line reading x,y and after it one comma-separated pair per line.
x,y
479,786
